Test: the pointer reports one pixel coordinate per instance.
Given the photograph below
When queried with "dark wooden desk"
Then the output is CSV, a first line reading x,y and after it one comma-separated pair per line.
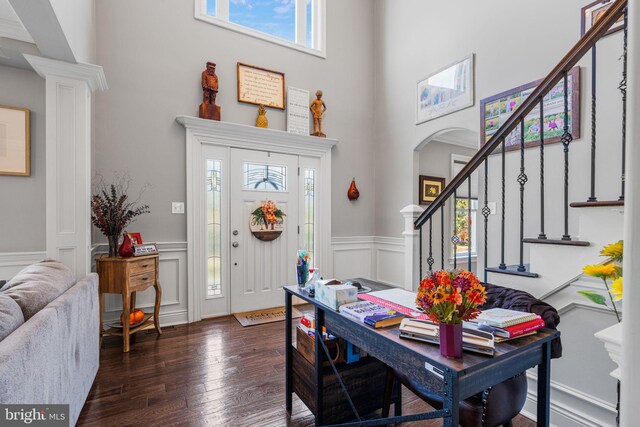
x,y
455,380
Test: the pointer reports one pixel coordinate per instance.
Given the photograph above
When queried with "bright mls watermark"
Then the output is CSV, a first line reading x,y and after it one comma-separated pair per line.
x,y
34,415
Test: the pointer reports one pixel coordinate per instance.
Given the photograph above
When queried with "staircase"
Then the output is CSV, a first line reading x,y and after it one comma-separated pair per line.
x,y
540,244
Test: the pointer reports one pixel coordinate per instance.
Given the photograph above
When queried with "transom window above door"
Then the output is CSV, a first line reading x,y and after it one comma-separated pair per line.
x,y
264,177
298,24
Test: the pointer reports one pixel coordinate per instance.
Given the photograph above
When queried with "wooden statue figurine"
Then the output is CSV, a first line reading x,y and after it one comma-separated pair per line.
x,y
208,108
262,121
318,108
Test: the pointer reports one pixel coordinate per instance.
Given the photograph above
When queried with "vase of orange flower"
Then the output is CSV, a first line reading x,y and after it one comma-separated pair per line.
x,y
449,298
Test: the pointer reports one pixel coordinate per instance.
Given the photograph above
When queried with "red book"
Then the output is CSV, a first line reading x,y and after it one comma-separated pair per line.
x,y
520,329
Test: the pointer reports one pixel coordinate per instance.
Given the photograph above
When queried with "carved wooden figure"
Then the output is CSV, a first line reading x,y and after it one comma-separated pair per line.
x,y
208,108
318,108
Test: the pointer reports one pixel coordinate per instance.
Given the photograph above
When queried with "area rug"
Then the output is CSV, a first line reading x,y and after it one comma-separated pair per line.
x,y
269,315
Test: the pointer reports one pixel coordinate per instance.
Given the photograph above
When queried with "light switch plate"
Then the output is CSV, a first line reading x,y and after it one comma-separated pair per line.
x,y
493,207
177,207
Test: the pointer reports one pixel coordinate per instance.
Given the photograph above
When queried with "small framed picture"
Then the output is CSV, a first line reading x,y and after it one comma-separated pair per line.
x,y
594,11
15,155
145,249
429,187
136,238
260,86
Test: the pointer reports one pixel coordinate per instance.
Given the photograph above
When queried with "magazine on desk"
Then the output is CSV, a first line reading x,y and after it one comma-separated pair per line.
x,y
472,339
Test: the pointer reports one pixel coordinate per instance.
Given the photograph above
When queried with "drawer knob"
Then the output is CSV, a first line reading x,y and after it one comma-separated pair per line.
x,y
144,279
145,265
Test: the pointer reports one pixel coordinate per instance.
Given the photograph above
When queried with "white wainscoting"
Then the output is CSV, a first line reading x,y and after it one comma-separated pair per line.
x,y
173,279
12,262
371,257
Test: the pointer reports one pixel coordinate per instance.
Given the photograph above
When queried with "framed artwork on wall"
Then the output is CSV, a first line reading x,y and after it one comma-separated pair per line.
x,y
594,11
495,110
260,86
445,91
15,141
429,187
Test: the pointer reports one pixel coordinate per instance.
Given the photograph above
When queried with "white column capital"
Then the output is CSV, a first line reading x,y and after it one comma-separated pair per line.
x,y
412,211
92,74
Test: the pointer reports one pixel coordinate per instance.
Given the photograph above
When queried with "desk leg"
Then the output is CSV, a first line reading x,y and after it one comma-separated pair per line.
x,y
451,400
156,308
287,353
544,380
126,305
319,357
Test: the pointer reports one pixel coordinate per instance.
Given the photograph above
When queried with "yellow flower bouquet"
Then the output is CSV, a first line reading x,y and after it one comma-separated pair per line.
x,y
610,270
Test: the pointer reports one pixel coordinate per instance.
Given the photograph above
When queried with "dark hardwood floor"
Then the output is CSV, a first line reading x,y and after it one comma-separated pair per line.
x,y
213,372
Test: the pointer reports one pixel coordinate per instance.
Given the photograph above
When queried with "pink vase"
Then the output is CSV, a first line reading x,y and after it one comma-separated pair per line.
x,y
451,340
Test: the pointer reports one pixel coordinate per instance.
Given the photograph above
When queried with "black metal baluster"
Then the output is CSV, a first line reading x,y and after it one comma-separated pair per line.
x,y
420,252
469,224
503,266
623,90
430,260
542,234
486,211
522,180
455,239
442,237
566,140
592,197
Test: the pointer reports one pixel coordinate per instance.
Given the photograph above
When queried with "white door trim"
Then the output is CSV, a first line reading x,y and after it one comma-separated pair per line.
x,y
201,132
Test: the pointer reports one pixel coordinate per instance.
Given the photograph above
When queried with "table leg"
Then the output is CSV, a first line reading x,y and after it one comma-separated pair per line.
x,y
101,304
319,357
126,304
451,400
133,301
397,407
156,308
544,380
287,353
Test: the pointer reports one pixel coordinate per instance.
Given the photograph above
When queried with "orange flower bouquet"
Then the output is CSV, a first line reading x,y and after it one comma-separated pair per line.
x,y
451,296
448,298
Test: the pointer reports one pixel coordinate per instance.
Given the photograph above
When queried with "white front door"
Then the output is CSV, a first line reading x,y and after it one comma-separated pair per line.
x,y
259,269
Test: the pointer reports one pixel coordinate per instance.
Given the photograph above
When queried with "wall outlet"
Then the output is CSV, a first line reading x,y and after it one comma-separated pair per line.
x,y
493,207
177,207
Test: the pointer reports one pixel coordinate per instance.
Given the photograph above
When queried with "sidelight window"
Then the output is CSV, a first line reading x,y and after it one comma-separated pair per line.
x,y
214,232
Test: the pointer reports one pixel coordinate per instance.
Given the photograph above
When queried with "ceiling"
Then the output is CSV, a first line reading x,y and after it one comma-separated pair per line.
x,y
14,38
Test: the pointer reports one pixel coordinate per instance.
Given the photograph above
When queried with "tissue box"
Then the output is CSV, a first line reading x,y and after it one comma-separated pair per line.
x,y
336,295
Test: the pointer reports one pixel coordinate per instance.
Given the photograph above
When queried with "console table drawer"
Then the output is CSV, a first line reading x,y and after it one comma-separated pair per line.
x,y
142,281
142,266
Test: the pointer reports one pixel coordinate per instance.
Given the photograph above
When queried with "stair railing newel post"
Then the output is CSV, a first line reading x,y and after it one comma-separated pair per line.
x,y
455,239
442,237
503,266
592,197
522,180
566,140
420,252
542,234
469,228
486,211
430,260
623,89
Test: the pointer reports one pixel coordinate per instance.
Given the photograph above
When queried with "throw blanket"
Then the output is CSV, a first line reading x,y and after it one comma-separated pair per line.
x,y
513,299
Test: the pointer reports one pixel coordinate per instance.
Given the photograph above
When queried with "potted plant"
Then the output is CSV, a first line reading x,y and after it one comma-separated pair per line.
x,y
449,298
112,211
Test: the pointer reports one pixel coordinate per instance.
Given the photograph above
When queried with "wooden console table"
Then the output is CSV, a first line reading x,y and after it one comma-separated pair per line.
x,y
454,379
126,276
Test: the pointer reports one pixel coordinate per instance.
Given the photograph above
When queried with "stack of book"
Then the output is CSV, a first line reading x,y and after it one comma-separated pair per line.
x,y
371,314
473,339
508,324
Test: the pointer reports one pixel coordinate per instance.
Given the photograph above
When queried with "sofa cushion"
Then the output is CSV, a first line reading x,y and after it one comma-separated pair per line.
x,y
37,285
10,316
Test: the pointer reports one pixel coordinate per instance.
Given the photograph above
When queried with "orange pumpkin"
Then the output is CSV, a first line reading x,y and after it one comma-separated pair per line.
x,y
136,316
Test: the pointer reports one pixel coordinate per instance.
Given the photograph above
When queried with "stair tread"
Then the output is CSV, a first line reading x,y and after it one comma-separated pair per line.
x,y
557,242
513,270
599,203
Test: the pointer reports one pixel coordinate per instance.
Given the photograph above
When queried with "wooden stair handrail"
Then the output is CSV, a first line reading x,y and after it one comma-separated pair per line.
x,y
585,43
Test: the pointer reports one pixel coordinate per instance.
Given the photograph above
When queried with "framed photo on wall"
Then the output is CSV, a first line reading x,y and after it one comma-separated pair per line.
x,y
445,91
495,110
594,11
429,187
15,141
260,86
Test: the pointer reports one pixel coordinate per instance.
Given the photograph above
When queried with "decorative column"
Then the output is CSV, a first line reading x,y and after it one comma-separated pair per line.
x,y
630,392
411,247
69,89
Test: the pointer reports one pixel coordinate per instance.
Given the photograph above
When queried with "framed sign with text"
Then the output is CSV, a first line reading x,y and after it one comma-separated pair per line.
x,y
260,86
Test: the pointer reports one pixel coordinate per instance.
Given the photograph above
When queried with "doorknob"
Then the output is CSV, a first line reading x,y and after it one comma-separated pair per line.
x,y
235,244
235,232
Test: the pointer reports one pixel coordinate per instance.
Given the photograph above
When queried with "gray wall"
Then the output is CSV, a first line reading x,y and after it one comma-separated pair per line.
x,y
414,38
22,199
153,53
